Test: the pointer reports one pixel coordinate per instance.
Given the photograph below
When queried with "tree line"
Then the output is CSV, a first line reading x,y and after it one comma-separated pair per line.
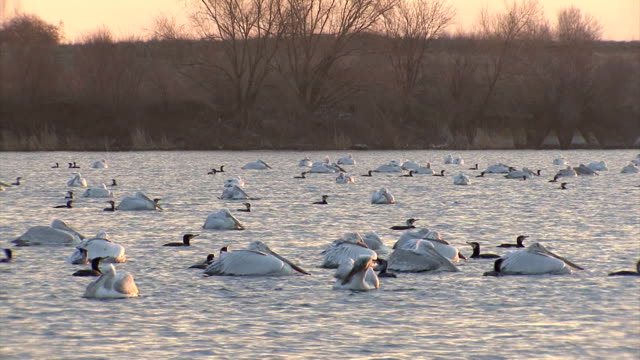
x,y
323,74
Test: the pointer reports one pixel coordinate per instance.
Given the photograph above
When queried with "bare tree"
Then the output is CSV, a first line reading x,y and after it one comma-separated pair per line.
x,y
319,33
248,32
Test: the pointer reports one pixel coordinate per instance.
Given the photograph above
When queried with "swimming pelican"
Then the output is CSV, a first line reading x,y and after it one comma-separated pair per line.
x,y
356,275
186,240
344,178
458,161
559,161
59,233
409,240
426,170
476,252
112,285
498,168
256,260
100,246
306,162
630,169
68,205
534,260
9,256
410,165
624,272
423,256
583,170
247,207
323,202
234,192
374,242
112,207
94,271
350,246
598,166
567,172
320,167
391,167
448,159
461,179
100,164
77,181
222,220
139,202
520,174
256,165
348,160
98,192
237,180
409,225
518,243
382,196
203,265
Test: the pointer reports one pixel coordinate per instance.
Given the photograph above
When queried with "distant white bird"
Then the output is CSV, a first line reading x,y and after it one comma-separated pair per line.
x,y
59,233
458,161
630,169
410,165
448,159
392,166
348,160
423,256
534,260
233,192
350,246
237,180
583,170
139,202
257,260
461,179
99,247
559,161
382,196
222,220
427,170
321,167
306,162
98,192
77,181
410,239
567,172
344,178
100,164
256,165
598,166
498,169
356,275
112,285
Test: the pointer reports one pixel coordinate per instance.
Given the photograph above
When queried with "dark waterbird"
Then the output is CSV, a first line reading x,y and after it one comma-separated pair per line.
x,y
474,168
409,225
481,174
94,271
205,263
410,174
69,195
563,186
9,256
55,166
302,176
17,182
476,252
247,207
323,202
186,238
624,272
518,243
368,173
68,205
382,269
496,268
441,173
112,208
113,182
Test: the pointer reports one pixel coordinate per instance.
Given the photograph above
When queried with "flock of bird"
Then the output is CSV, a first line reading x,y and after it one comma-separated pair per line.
x,y
359,260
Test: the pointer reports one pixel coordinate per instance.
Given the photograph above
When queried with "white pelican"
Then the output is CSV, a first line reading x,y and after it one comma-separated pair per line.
x,y
584,170
350,246
410,165
567,172
222,220
344,178
422,257
356,275
636,160
534,260
448,159
100,164
461,179
624,272
560,161
320,167
409,240
427,170
382,196
112,285
256,165
630,169
99,246
98,192
256,260
498,168
598,166
525,173
348,160
306,162
77,181
138,202
234,181
374,242
233,192
59,233
458,161
391,167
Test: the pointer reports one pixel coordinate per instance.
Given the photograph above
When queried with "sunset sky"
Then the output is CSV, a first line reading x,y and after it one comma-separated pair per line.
x,y
620,18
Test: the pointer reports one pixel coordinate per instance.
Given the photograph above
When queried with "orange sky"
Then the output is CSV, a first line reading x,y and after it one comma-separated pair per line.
x,y
620,18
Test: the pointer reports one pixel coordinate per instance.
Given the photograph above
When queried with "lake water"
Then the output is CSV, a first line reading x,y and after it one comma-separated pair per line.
x,y
182,315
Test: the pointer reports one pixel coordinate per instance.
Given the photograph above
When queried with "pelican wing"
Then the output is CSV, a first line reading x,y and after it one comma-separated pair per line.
x,y
524,262
105,249
246,263
414,260
45,235
124,284
338,253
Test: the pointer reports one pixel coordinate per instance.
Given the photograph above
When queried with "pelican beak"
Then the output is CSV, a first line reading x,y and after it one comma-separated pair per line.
x,y
159,207
293,266
563,259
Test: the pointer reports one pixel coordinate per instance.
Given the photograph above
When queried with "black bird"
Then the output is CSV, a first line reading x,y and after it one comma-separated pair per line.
x,y
94,271
212,172
69,195
70,166
623,272
474,168
56,166
382,269
9,258
555,178
441,173
75,166
476,252
323,202
221,169
17,181
410,174
247,209
205,263
405,227
224,249
302,176
496,268
69,205
518,243
368,173
113,182
563,186
112,208
185,240
481,174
